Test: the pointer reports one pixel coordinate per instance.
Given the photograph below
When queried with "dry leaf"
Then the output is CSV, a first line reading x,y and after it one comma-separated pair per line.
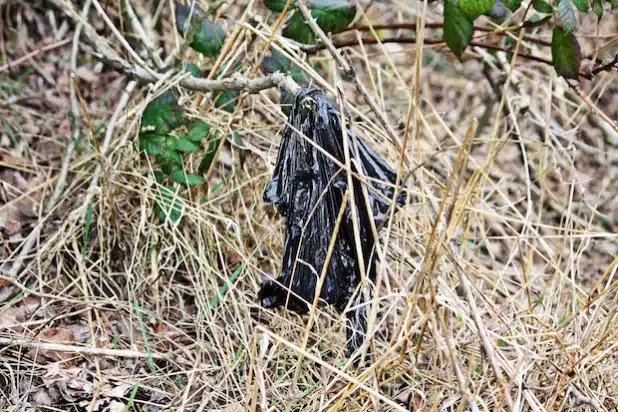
x,y
116,406
116,392
42,397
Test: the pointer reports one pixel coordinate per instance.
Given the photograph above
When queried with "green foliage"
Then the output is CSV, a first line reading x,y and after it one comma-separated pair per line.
x,y
193,69
227,100
169,204
513,5
179,176
475,8
201,34
277,5
186,18
567,15
565,53
210,155
458,28
582,5
164,137
151,143
536,21
332,16
542,6
209,38
278,62
185,145
198,130
298,30
162,114
598,8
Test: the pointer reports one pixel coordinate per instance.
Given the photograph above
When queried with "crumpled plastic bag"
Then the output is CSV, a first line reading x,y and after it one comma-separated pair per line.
x,y
307,187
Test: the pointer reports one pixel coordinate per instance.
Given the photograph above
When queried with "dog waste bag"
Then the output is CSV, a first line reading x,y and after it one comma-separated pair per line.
x,y
307,187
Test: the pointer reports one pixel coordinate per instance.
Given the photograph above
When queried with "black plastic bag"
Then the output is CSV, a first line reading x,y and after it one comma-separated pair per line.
x,y
307,188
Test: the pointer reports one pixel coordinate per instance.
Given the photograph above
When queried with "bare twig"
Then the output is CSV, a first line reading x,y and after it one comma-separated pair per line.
x,y
281,80
438,25
60,347
143,73
311,49
19,61
141,32
606,67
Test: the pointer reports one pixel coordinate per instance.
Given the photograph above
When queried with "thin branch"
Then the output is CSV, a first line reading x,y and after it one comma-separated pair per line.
x,y
145,74
281,80
606,67
85,350
15,63
412,40
437,25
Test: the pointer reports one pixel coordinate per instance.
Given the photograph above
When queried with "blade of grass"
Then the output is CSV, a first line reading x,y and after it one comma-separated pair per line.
x,y
87,231
223,289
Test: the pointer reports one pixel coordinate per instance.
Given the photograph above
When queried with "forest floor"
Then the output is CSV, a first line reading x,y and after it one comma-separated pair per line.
x,y
498,289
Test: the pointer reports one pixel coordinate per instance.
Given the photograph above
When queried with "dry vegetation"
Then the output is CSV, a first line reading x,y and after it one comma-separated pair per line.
x,y
498,285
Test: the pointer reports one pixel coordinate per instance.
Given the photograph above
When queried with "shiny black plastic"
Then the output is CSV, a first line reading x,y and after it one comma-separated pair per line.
x,y
307,188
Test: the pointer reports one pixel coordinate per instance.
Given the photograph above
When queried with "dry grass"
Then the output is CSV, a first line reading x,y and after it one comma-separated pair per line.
x,y
498,285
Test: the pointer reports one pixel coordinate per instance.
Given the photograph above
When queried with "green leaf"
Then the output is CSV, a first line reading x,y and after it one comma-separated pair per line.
x,y
151,143
298,30
582,5
162,114
286,101
202,34
513,5
613,3
458,29
171,155
498,11
208,38
169,204
536,21
170,160
475,8
186,18
159,176
565,53
198,130
193,69
278,62
567,15
87,231
186,146
598,8
228,100
277,5
542,6
333,16
209,157
179,176
223,289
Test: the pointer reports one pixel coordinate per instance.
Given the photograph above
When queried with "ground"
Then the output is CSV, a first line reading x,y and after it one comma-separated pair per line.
x,y
498,285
